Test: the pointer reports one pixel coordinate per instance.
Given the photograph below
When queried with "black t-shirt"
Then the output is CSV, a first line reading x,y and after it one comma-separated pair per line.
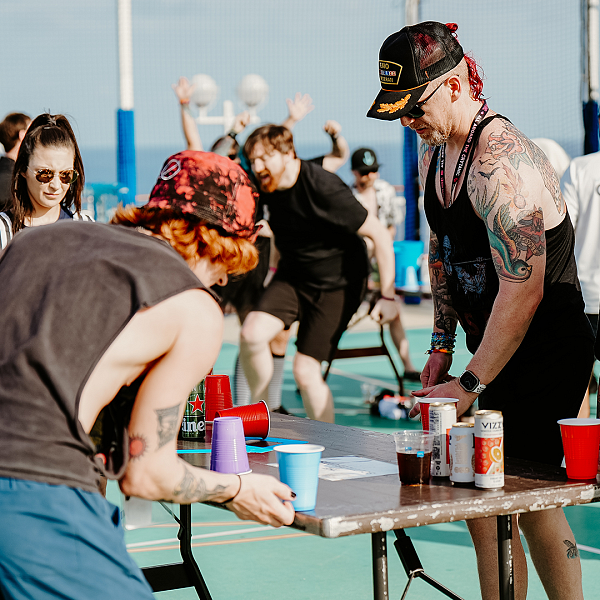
x,y
315,224
6,171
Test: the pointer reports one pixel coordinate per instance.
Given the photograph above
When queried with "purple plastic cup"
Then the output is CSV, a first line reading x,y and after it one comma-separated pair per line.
x,y
228,451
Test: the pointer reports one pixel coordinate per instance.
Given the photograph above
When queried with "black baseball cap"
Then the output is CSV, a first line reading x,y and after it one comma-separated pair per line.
x,y
364,160
408,60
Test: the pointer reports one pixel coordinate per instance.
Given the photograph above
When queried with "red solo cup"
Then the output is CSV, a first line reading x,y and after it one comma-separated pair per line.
x,y
217,395
255,418
424,404
581,443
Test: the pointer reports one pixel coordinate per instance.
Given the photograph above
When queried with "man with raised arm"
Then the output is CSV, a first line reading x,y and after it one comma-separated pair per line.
x,y
126,323
501,264
321,275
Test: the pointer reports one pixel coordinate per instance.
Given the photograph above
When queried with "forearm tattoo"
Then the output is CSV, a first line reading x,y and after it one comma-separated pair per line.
x,y
444,314
193,489
572,550
168,424
137,446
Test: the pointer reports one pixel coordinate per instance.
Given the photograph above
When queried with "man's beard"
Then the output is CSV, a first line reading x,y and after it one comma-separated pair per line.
x,y
435,138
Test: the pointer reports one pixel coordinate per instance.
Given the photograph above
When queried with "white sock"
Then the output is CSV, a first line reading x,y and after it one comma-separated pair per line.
x,y
276,383
242,389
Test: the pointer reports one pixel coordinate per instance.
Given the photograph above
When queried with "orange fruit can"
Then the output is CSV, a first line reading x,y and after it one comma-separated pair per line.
x,y
489,449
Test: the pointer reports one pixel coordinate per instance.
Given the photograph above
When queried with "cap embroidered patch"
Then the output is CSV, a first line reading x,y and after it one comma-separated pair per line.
x,y
389,72
392,108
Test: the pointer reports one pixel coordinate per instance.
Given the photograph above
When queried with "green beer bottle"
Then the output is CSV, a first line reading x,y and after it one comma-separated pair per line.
x,y
193,424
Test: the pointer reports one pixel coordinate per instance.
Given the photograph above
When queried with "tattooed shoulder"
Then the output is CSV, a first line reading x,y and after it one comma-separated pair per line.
x,y
510,144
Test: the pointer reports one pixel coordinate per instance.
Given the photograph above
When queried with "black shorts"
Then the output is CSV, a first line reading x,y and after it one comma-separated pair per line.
x,y
540,384
322,315
244,291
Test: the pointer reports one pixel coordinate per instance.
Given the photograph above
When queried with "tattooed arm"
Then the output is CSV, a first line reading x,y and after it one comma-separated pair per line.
x,y
191,333
509,193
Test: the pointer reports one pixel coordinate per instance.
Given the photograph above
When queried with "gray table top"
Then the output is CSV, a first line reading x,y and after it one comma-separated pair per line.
x,y
374,504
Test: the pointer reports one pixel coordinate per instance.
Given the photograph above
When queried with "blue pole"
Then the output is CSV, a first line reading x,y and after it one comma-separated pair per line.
x,y
411,185
126,175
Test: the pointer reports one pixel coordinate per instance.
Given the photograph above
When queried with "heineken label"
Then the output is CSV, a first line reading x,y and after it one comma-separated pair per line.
x,y
193,424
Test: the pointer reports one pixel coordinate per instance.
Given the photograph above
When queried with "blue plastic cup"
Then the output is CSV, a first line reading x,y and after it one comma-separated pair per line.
x,y
299,468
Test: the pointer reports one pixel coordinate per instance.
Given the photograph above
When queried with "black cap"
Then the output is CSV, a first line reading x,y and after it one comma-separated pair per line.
x,y
408,60
364,160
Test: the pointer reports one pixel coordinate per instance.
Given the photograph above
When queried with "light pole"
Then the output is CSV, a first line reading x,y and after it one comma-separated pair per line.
x,y
252,90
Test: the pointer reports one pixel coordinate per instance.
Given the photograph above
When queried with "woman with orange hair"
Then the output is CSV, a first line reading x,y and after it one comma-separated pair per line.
x,y
101,312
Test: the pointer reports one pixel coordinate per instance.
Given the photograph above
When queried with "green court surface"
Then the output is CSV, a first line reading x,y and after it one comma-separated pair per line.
x,y
243,559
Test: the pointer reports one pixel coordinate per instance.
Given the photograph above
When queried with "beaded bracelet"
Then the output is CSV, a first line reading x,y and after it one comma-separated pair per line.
x,y
182,102
442,342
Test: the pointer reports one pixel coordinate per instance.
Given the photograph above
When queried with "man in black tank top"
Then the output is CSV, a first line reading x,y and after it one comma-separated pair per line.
x,y
116,315
502,264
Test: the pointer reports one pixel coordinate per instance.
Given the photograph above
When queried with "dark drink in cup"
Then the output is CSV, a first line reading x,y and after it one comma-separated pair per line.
x,y
413,451
414,468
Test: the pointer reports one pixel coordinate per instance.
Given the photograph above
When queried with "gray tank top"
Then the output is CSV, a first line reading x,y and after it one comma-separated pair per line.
x,y
66,292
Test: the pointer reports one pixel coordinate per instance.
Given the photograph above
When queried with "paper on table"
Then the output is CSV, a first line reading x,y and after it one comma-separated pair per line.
x,y
352,467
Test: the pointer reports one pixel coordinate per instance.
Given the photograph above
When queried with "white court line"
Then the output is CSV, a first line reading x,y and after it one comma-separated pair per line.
x,y
588,549
197,537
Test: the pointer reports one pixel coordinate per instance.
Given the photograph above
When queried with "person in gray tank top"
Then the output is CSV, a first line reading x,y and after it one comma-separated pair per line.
x,y
103,313
502,265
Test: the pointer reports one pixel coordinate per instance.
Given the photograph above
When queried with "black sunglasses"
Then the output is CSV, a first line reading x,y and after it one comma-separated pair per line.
x,y
47,175
416,112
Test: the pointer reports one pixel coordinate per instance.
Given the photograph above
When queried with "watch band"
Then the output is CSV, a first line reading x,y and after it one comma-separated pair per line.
x,y
477,389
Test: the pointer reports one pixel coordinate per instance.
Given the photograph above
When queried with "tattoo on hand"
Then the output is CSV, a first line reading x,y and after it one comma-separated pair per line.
x,y
137,446
572,550
168,424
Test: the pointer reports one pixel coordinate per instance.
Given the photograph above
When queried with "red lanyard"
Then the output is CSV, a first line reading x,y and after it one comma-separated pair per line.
x,y
462,159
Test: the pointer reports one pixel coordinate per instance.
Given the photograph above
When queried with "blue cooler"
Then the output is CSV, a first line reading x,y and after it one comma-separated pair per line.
x,y
407,254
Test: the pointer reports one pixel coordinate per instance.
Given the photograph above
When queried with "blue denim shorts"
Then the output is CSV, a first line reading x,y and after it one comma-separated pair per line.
x,y
60,542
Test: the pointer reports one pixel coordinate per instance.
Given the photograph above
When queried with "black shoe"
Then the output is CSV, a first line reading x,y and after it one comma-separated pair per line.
x,y
281,411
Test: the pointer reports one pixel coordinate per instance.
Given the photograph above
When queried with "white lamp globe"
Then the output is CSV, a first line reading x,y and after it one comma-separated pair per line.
x,y
253,90
206,90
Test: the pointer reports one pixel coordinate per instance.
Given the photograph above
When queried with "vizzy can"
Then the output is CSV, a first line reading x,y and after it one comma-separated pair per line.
x,y
462,453
442,415
193,425
489,449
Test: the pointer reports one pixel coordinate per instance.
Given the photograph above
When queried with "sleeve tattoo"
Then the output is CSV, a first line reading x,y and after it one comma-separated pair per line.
x,y
515,228
444,314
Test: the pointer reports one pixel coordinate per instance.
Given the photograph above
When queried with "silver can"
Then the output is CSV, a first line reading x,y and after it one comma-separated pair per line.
x,y
462,453
489,449
442,415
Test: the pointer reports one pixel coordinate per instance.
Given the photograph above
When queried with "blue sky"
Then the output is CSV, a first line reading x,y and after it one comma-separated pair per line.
x,y
62,56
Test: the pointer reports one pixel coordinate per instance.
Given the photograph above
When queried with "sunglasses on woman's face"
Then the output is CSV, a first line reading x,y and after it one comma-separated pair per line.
x,y
47,175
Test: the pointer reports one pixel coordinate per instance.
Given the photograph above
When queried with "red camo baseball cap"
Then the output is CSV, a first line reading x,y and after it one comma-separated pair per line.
x,y
210,187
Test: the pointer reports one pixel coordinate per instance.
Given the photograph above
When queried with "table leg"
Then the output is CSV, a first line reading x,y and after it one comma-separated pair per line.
x,y
505,558
380,572
184,574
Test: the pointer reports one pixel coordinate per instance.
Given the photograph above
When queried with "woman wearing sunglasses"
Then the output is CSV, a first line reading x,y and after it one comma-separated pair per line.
x,y
47,178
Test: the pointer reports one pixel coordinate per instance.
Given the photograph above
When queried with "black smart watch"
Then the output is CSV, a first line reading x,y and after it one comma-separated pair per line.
x,y
470,382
